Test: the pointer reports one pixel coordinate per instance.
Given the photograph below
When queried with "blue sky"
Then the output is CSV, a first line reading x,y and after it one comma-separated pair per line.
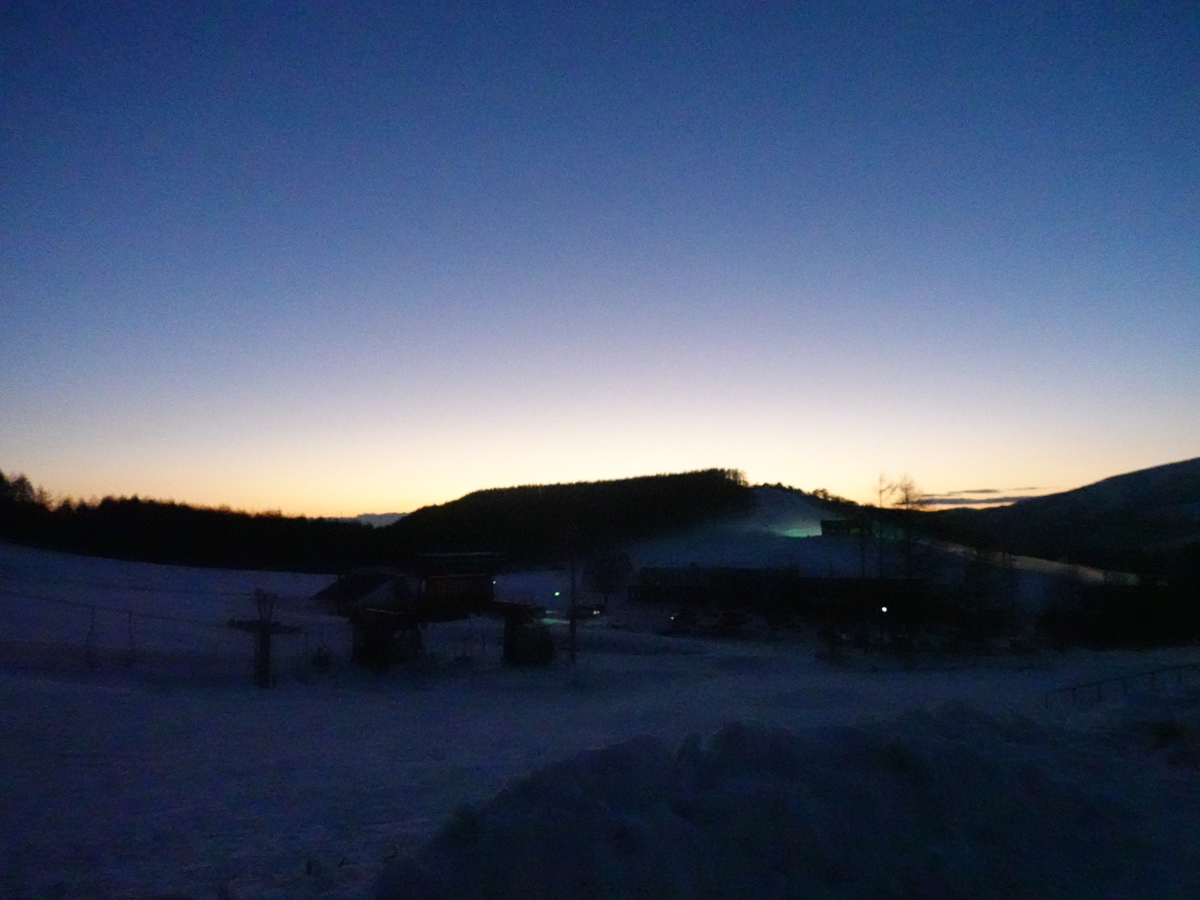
x,y
330,258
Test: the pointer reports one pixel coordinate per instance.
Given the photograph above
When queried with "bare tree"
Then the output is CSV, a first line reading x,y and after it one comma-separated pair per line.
x,y
883,490
910,500
908,495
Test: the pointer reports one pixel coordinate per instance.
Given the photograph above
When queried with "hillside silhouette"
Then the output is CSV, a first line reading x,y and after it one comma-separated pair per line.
x,y
544,523
1146,521
526,525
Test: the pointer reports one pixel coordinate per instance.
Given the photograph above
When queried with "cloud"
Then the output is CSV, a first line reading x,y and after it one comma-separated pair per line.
x,y
967,501
981,497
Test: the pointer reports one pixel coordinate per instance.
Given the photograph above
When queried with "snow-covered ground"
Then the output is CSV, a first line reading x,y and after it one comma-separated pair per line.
x,y
177,777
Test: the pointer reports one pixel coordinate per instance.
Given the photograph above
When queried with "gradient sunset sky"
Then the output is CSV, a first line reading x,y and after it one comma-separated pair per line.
x,y
332,258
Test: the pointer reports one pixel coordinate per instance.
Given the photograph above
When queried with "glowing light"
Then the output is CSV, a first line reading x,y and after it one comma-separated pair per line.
x,y
884,608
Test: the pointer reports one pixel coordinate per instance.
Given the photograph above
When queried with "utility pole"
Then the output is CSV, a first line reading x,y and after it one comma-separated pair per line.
x,y
574,609
863,519
261,629
262,638
883,488
572,548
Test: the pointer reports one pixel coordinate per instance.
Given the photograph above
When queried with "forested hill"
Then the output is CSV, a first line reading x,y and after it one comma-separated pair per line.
x,y
524,524
542,523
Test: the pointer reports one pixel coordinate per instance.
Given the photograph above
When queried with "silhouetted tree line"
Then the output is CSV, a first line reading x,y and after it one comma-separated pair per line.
x,y
545,523
174,533
526,525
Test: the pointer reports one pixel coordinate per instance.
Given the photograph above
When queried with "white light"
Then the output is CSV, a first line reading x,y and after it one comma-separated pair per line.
x,y
558,593
884,608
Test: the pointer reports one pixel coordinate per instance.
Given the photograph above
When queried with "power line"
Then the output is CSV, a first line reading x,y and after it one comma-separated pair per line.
x,y
109,586
124,611
127,587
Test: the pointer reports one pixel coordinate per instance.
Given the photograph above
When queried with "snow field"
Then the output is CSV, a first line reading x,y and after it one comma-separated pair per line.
x,y
60,611
148,782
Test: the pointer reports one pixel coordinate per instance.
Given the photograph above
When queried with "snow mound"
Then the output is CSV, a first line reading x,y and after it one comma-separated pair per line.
x,y
1165,724
945,804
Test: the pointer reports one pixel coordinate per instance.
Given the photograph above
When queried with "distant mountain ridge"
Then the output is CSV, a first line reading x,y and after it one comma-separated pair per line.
x,y
375,520
1145,520
1159,487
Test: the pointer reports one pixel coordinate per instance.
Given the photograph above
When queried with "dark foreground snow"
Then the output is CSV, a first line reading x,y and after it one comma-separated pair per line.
x,y
176,777
951,804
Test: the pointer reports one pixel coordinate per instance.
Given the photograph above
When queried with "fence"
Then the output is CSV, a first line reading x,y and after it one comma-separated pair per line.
x,y
162,629
1121,685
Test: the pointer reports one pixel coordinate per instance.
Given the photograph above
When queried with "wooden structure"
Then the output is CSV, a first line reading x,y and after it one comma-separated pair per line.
x,y
387,607
858,526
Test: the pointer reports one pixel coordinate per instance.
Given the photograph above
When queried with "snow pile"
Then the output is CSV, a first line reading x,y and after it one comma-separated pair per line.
x,y
948,804
1164,723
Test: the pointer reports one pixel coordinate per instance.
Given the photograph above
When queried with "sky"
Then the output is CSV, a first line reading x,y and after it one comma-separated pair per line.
x,y
332,258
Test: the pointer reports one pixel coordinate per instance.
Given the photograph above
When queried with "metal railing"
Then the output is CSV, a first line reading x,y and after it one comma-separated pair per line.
x,y
1120,685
